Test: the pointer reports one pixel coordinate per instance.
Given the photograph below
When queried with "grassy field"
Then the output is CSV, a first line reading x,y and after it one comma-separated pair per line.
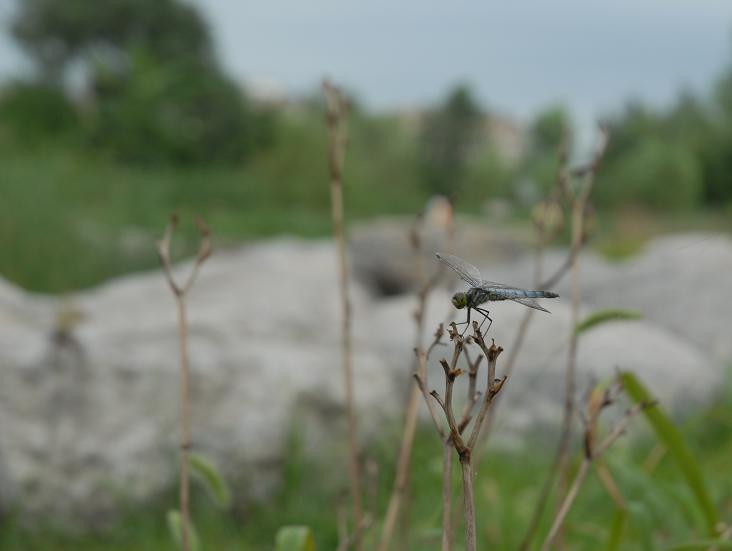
x,y
70,219
662,510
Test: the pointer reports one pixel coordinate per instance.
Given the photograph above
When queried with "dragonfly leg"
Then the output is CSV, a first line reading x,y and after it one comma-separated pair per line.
x,y
485,315
466,323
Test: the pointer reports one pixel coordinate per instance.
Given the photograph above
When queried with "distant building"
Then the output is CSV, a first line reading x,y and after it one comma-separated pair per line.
x,y
266,91
509,138
505,135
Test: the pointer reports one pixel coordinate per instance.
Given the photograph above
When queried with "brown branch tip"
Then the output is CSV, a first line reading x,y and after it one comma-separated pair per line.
x,y
204,251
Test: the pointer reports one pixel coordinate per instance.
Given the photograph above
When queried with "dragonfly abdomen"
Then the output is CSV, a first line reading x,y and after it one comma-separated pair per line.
x,y
479,295
522,293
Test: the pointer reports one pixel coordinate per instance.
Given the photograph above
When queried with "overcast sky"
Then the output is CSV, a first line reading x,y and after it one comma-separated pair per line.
x,y
518,56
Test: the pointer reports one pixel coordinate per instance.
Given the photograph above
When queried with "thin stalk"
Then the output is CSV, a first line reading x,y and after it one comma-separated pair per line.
x,y
593,452
465,449
566,504
447,453
180,292
579,206
466,466
185,424
335,119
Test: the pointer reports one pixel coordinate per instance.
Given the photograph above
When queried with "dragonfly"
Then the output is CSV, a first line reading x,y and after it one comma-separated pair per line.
x,y
482,291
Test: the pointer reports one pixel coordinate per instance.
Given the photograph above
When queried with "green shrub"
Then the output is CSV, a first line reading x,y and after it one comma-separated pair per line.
x,y
654,174
32,113
178,112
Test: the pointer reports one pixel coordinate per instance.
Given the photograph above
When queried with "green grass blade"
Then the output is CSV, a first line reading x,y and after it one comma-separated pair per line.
x,y
667,433
175,525
604,316
294,538
215,484
616,530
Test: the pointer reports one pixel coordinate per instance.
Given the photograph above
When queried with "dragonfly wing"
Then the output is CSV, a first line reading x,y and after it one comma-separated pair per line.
x,y
530,302
488,285
465,270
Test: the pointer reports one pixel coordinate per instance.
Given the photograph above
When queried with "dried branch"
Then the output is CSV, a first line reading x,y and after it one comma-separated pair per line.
x,y
473,395
578,218
336,115
447,454
352,539
493,386
454,438
597,402
180,292
420,377
401,479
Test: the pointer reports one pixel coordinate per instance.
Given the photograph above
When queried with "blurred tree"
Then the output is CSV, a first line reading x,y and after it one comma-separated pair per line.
x,y
175,112
547,130
58,34
539,166
448,137
657,173
154,90
33,113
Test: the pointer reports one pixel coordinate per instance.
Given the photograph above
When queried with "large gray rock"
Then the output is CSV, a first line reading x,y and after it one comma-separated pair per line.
x,y
680,282
89,400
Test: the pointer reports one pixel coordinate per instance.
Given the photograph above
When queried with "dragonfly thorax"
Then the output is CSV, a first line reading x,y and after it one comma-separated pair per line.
x,y
477,296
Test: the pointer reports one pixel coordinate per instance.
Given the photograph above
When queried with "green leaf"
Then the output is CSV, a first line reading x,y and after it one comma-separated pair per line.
x,y
294,538
175,525
215,484
604,316
641,524
669,435
616,529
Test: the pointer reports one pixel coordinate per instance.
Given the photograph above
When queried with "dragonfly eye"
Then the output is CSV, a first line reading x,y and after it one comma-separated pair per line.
x,y
459,300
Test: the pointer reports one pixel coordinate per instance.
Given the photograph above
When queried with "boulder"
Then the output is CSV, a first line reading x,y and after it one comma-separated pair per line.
x,y
89,383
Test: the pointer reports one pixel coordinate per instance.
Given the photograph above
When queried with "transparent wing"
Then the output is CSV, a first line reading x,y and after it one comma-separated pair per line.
x,y
516,294
531,303
465,270
488,285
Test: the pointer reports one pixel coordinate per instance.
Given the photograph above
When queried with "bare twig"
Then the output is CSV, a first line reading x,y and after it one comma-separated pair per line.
x,y
180,292
579,205
336,113
465,449
420,377
410,419
597,402
579,201
352,539
608,481
447,455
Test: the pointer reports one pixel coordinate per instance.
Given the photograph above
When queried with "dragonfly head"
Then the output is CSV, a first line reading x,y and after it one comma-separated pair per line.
x,y
459,300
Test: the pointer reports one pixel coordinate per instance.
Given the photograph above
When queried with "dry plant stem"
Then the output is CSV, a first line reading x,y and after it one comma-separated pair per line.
x,y
566,504
336,121
611,486
542,239
463,449
410,419
578,213
181,294
446,494
357,535
579,205
185,416
592,453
